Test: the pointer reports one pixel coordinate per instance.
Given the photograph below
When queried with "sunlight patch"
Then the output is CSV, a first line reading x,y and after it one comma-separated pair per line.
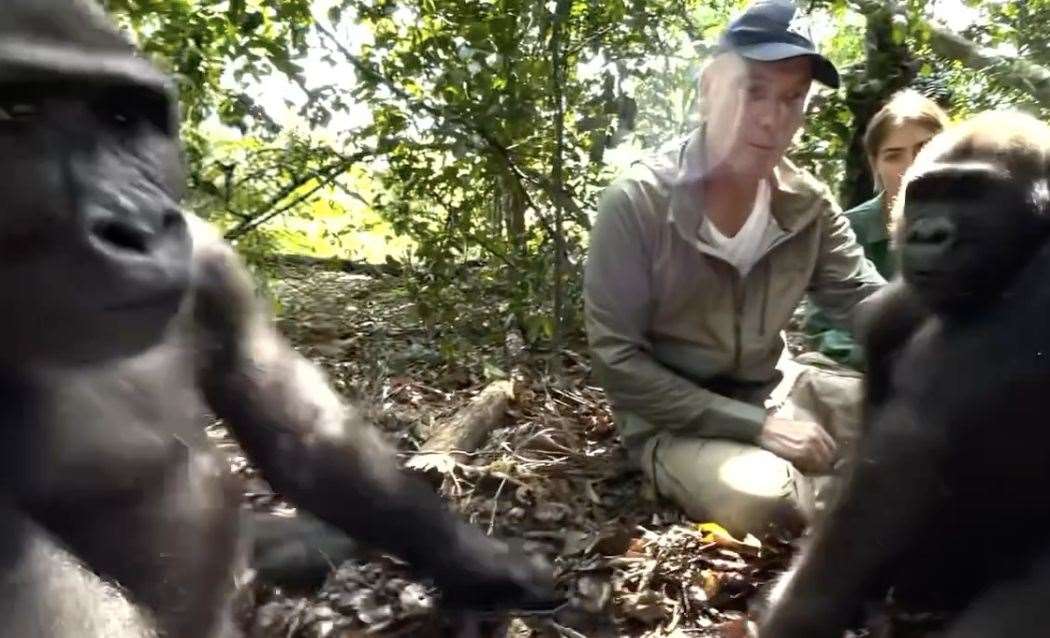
x,y
750,473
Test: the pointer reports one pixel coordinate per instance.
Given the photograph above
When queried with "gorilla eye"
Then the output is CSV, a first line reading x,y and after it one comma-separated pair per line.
x,y
18,112
126,107
122,119
116,113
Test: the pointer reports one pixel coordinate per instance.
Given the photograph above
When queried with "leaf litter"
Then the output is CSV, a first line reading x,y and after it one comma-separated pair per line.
x,y
554,480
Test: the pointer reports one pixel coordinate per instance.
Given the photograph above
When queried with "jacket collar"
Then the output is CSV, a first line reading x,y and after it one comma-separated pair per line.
x,y
869,222
793,202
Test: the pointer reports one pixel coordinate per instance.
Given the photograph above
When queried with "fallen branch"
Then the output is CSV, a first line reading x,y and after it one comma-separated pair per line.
x,y
336,263
452,440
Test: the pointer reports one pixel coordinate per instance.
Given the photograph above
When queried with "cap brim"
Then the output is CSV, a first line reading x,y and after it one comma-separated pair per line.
x,y
823,70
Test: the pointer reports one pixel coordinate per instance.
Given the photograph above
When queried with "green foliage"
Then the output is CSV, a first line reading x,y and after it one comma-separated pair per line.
x,y
244,166
463,116
199,41
477,134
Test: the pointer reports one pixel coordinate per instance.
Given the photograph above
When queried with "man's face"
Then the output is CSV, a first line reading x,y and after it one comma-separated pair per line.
x,y
754,110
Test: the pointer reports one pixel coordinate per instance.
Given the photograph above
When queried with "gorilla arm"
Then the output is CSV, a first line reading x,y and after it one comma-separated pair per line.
x,y
320,453
889,496
885,322
892,468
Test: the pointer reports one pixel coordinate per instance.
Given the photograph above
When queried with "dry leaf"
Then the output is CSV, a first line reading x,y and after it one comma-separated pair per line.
x,y
715,533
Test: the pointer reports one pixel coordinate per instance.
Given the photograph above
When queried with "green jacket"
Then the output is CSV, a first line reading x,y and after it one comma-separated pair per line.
x,y
868,222
678,338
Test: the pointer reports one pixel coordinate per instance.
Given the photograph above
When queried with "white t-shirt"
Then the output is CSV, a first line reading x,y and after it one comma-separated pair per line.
x,y
749,244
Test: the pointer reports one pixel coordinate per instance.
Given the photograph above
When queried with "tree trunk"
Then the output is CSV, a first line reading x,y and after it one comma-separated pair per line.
x,y
558,67
335,263
512,203
888,67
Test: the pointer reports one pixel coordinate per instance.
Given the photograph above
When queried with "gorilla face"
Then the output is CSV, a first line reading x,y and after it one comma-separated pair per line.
x,y
94,253
967,230
969,225
954,405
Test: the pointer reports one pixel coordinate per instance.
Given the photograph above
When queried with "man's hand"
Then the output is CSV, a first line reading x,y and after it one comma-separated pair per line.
x,y
807,445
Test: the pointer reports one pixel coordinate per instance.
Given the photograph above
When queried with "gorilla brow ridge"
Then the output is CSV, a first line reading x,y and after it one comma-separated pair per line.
x,y
52,21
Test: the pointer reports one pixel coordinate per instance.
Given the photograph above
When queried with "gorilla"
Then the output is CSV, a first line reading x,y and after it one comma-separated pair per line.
x,y
127,323
945,501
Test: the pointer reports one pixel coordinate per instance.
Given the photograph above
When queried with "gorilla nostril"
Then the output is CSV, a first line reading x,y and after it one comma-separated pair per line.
x,y
937,236
122,235
932,232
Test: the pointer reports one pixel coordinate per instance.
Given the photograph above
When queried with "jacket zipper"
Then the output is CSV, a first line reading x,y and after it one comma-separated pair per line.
x,y
738,302
767,280
738,309
764,260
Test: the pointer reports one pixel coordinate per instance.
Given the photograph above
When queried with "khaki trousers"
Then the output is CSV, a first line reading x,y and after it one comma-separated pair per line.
x,y
745,488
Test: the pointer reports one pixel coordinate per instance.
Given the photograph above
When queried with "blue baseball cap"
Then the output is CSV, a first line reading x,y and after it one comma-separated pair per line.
x,y
771,30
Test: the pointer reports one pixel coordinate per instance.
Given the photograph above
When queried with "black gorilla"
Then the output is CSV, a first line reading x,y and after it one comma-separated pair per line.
x,y
125,322
946,500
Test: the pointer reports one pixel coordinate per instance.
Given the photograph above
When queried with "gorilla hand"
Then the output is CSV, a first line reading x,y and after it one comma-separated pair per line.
x,y
489,574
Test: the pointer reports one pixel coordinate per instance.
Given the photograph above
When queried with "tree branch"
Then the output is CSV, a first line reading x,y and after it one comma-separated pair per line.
x,y
1015,73
269,210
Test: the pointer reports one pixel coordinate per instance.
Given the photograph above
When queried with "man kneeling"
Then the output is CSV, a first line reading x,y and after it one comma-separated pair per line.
x,y
698,259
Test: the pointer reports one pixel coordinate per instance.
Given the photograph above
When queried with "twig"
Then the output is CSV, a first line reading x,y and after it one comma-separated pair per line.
x,y
495,506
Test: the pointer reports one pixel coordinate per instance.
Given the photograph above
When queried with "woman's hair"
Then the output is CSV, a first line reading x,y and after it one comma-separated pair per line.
x,y
904,107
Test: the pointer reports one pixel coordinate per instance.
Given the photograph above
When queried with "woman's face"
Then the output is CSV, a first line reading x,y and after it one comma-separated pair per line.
x,y
896,154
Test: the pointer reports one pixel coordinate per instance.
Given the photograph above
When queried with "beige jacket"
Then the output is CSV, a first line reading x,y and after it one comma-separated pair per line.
x,y
678,338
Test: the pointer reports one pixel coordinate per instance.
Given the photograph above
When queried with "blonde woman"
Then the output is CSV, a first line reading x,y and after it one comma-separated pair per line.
x,y
892,140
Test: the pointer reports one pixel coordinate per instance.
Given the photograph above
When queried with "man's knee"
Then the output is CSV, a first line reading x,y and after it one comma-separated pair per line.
x,y
739,486
828,394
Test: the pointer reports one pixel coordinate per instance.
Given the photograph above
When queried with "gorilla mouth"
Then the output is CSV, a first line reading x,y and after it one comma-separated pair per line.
x,y
924,277
920,276
934,284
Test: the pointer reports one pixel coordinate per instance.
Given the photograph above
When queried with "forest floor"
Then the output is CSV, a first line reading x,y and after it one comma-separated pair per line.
x,y
554,475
